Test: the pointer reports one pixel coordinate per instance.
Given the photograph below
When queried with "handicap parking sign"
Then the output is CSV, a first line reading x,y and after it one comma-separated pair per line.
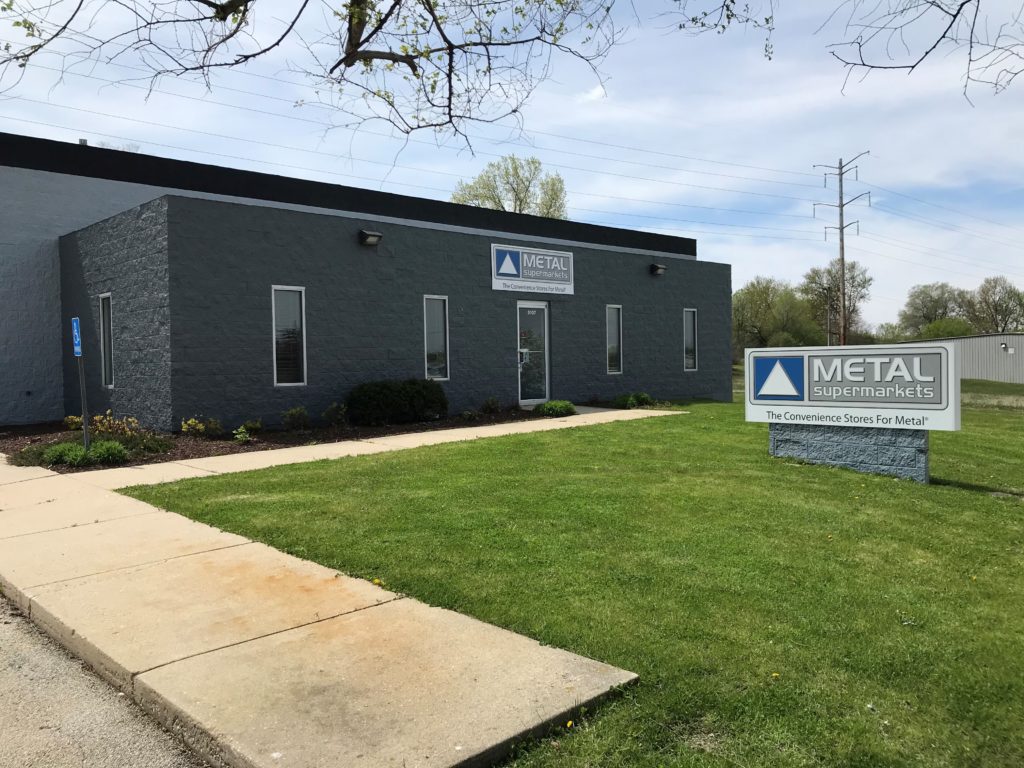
x,y
76,336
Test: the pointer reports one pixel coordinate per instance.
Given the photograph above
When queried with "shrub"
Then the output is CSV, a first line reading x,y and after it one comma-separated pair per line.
x,y
199,426
633,400
195,427
73,423
643,400
336,414
555,408
29,456
625,402
241,435
70,454
295,419
106,426
108,452
470,415
146,442
491,405
377,403
253,426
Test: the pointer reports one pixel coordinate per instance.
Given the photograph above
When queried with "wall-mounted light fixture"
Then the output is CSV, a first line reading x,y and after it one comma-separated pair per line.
x,y
1003,346
369,237
658,269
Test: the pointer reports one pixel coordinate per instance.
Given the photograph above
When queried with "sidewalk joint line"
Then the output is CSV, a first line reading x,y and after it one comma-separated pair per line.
x,y
153,511
30,479
136,565
394,599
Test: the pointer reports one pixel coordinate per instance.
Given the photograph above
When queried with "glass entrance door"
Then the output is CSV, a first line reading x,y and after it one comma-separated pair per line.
x,y
533,352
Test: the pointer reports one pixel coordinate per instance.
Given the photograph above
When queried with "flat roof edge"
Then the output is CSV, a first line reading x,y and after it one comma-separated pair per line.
x,y
62,157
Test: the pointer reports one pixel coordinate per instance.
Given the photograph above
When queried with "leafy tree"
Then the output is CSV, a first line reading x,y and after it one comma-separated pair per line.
x,y
945,328
820,288
769,313
890,333
517,185
928,303
997,306
439,64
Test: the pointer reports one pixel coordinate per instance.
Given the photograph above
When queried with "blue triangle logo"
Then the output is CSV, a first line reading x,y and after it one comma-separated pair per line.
x,y
506,263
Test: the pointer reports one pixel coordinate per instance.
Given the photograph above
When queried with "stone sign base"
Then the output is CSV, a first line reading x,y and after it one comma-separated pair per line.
x,y
897,452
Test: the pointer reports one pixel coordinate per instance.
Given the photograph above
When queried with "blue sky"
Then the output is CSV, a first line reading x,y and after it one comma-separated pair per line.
x,y
698,136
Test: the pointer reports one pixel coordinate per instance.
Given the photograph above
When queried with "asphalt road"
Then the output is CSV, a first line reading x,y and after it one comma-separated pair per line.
x,y
55,713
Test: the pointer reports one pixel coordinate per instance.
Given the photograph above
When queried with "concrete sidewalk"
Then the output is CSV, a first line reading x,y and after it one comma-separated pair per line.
x,y
153,474
257,658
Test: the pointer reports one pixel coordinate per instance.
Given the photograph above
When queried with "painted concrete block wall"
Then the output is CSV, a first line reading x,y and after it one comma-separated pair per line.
x,y
364,314
39,207
897,452
126,256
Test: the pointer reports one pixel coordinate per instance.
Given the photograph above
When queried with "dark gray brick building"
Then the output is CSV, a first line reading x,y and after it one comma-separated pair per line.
x,y
232,294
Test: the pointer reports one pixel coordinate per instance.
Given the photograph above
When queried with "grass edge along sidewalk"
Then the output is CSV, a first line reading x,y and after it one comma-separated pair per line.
x,y
778,614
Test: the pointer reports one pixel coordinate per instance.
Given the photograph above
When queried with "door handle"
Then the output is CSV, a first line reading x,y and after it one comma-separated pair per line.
x,y
524,357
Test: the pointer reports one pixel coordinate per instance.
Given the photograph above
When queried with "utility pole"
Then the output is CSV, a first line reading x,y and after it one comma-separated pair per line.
x,y
839,171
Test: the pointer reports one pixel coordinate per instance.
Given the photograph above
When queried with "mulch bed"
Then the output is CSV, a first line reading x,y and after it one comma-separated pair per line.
x,y
14,438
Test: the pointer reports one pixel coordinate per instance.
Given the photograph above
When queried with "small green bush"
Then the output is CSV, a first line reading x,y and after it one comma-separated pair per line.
x,y
201,426
470,415
624,402
241,435
491,405
146,442
108,452
295,419
336,414
377,403
29,456
633,400
69,454
73,423
555,408
253,426
106,426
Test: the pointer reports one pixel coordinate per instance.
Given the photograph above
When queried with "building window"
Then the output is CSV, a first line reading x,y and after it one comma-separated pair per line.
x,y
613,324
289,335
106,348
435,336
689,339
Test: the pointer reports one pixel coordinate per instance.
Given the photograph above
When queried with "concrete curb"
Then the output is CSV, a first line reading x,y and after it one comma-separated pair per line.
x,y
244,676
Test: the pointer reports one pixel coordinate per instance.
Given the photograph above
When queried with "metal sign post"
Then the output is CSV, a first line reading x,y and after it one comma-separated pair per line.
x,y
76,342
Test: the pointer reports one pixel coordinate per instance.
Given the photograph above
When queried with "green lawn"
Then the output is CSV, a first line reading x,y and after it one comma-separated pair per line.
x,y
778,614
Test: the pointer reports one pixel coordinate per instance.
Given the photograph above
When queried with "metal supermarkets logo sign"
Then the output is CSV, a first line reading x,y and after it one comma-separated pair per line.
x,y
901,387
531,270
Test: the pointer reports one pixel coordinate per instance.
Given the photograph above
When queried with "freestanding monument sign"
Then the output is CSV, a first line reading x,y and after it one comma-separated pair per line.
x,y
868,408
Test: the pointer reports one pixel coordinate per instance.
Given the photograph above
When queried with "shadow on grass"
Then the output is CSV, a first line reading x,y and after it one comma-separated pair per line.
x,y
990,490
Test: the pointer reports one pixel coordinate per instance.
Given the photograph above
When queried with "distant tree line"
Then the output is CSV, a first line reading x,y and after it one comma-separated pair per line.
x,y
772,313
938,310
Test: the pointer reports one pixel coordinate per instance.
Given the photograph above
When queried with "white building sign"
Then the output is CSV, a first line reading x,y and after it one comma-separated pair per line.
x,y
901,387
530,270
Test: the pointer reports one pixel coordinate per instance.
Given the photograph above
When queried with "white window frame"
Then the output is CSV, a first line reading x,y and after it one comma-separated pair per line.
x,y
447,339
696,344
622,365
103,344
273,334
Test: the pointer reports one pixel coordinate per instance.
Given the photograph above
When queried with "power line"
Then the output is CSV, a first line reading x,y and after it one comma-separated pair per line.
x,y
944,225
939,206
552,165
659,166
338,157
335,173
882,240
576,139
